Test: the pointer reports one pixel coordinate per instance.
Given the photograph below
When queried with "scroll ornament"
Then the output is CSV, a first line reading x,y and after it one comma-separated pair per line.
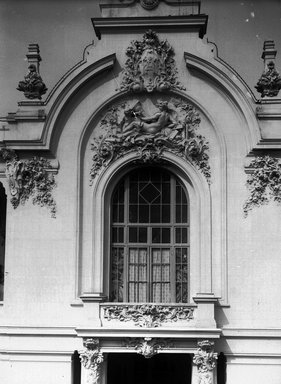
x,y
171,128
32,85
147,315
264,182
29,178
92,358
269,83
148,347
205,359
150,66
149,4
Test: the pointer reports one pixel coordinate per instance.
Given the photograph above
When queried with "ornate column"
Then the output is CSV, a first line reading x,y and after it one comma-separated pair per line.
x,y
91,359
205,361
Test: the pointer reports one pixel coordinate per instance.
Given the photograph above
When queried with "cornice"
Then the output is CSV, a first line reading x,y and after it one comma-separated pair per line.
x,y
163,332
195,23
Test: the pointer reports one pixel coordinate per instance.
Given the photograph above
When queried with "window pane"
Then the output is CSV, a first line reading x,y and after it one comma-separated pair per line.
x,y
165,235
151,215
155,235
138,276
133,213
166,218
155,214
144,213
117,269
182,275
133,235
142,235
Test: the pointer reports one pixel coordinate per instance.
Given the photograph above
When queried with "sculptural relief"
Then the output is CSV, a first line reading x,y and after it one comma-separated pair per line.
x,y
150,66
32,85
29,178
149,128
269,83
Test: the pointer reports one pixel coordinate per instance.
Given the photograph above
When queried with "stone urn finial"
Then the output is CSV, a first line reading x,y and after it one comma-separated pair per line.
x,y
32,85
269,83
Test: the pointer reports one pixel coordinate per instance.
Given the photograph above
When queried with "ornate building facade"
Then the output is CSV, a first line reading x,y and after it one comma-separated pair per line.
x,y
139,211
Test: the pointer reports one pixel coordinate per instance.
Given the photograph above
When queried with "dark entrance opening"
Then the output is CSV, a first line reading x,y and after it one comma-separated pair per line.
x,y
125,368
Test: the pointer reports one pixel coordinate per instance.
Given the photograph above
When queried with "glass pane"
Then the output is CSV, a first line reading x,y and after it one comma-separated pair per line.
x,y
133,195
142,235
120,235
166,193
144,213
137,284
156,235
166,217
133,213
121,213
133,235
182,268
117,270
165,235
155,213
114,235
115,213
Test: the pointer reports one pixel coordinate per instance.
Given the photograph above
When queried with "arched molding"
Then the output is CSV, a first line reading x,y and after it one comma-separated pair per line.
x,y
97,261
230,84
217,218
67,90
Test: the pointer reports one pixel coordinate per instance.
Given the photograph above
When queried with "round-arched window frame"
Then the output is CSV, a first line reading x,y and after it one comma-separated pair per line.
x,y
150,238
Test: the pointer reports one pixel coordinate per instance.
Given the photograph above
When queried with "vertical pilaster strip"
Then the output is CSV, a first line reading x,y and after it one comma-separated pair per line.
x,y
205,360
91,359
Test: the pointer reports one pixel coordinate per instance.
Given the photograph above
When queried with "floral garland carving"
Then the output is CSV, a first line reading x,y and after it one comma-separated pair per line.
x,y
172,128
148,347
92,358
264,183
150,65
205,359
148,315
29,178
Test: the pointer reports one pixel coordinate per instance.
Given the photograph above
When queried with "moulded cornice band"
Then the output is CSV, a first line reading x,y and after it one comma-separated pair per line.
x,y
197,23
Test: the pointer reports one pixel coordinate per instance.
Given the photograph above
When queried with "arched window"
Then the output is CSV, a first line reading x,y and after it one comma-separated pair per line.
x,y
150,238
3,207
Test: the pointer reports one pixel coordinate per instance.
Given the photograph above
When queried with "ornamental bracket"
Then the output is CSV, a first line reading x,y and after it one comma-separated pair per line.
x,y
92,359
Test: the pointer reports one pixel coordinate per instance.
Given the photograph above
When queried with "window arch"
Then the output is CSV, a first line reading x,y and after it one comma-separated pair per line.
x,y
149,238
3,208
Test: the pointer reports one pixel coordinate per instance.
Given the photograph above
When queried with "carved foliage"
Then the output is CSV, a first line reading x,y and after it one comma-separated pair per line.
x,y
269,83
32,85
150,65
148,347
264,182
92,358
148,315
171,128
29,178
205,359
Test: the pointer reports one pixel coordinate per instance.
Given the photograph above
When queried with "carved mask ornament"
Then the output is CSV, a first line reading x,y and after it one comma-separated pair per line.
x,y
150,66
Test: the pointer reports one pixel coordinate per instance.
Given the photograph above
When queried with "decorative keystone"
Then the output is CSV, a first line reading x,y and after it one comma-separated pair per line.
x,y
32,85
148,347
269,83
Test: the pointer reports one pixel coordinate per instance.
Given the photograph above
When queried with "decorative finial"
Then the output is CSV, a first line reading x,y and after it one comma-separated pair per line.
x,y
269,83
32,85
